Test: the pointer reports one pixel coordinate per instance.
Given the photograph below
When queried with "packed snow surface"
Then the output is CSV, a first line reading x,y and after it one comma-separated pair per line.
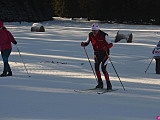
x,y
58,65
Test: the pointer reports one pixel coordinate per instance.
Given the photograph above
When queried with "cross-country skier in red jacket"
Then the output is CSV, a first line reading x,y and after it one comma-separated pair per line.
x,y
101,45
5,47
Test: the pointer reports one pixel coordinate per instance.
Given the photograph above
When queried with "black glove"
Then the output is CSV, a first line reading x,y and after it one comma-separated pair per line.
x,y
15,42
83,44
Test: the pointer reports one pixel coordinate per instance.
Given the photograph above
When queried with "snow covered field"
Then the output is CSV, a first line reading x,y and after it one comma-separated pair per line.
x,y
58,65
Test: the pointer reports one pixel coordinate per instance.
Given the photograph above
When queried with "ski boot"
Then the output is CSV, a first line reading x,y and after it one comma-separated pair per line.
x,y
100,84
3,74
9,73
109,86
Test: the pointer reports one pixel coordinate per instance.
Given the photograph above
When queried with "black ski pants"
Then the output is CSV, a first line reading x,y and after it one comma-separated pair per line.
x,y
100,57
157,66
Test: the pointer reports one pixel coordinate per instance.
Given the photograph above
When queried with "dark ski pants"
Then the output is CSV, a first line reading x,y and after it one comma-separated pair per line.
x,y
5,55
157,66
100,58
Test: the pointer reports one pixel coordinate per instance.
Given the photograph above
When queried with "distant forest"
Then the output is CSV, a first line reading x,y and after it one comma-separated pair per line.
x,y
119,11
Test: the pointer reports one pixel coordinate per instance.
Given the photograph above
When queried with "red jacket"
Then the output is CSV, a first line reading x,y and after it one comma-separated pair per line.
x,y
99,42
5,39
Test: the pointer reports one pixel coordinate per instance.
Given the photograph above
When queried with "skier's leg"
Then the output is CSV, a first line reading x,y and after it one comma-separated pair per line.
x,y
98,74
5,55
106,75
157,66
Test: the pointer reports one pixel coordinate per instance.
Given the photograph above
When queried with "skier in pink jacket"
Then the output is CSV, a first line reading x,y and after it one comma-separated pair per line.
x,y
5,47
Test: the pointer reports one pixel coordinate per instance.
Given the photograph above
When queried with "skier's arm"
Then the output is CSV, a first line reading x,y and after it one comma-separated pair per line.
x,y
86,42
11,38
108,41
153,50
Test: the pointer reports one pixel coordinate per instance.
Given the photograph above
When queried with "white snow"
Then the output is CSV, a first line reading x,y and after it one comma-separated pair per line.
x,y
58,64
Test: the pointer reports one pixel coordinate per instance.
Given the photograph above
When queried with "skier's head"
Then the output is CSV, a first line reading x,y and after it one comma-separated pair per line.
x,y
158,45
95,26
1,24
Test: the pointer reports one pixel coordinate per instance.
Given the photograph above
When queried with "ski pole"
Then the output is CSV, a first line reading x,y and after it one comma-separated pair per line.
x,y
22,61
90,64
115,70
149,64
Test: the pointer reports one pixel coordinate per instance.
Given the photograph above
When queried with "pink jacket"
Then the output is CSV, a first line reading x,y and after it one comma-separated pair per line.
x,y
5,39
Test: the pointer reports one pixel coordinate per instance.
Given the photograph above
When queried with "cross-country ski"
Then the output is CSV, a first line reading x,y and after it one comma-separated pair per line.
x,y
94,90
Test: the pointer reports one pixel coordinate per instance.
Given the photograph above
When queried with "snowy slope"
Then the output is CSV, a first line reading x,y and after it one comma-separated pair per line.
x,y
57,65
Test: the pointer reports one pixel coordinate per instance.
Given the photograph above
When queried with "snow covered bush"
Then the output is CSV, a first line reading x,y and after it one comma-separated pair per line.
x,y
37,27
124,35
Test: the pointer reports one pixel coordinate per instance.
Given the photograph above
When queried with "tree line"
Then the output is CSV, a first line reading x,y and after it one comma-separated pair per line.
x,y
120,11
26,10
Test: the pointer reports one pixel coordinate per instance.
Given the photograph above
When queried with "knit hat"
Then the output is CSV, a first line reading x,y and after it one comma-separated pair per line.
x,y
1,24
95,26
158,45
